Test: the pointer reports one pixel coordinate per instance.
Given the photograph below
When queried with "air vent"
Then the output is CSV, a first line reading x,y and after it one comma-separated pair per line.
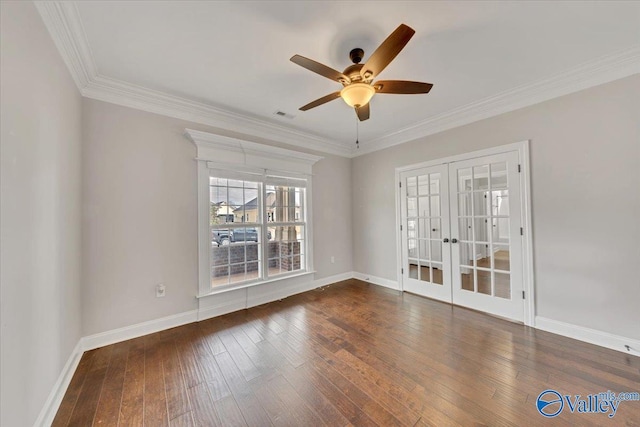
x,y
283,114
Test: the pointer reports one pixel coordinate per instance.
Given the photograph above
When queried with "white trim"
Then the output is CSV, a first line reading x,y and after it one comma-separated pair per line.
x,y
65,26
218,304
522,147
618,65
139,329
330,280
52,404
380,281
592,336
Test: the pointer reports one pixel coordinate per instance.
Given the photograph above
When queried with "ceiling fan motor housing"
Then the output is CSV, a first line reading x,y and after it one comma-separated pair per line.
x,y
356,55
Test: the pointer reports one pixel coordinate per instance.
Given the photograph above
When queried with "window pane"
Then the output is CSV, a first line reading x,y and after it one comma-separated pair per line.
x,y
286,249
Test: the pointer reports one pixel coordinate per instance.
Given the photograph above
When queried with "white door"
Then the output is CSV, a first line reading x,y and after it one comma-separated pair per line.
x,y
426,268
486,243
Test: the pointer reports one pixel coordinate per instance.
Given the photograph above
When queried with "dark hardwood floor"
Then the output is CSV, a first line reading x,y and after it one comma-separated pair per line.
x,y
348,354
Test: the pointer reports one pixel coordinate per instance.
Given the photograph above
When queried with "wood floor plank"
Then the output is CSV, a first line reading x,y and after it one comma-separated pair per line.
x,y
252,412
350,353
132,406
108,409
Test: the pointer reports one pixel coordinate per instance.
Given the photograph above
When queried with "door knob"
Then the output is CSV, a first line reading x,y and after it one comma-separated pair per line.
x,y
445,240
454,240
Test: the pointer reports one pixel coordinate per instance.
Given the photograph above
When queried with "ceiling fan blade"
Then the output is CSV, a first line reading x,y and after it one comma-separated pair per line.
x,y
388,50
363,112
401,87
321,69
320,101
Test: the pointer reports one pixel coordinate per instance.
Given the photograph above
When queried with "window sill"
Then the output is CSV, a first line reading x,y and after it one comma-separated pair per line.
x,y
252,284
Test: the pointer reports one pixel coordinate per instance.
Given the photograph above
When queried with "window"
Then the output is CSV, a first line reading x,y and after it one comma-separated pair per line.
x,y
254,213
257,226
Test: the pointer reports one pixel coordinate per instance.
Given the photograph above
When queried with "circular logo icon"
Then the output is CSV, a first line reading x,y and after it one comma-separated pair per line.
x,y
549,403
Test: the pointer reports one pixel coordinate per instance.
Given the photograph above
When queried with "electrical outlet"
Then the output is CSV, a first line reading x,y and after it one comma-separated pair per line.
x,y
333,260
160,291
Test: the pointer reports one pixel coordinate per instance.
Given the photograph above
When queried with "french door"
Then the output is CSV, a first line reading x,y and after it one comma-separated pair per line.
x,y
425,212
461,234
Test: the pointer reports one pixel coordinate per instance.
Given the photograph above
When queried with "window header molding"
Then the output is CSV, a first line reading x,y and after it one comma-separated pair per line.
x,y
236,152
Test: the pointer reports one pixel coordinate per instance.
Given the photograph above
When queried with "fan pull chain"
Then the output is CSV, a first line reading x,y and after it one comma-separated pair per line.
x,y
357,133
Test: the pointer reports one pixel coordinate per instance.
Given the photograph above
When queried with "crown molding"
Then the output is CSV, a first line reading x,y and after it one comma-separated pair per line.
x,y
63,21
65,26
596,72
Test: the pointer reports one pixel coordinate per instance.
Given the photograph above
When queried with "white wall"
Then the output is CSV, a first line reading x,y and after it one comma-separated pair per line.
x,y
40,213
140,219
585,156
332,216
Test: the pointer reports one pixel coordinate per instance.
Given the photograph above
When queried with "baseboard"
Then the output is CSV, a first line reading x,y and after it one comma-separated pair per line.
x,y
392,284
134,331
51,405
592,336
318,283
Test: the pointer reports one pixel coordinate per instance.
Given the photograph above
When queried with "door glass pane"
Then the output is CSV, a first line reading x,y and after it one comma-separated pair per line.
x,y
502,285
412,228
411,186
412,208
423,185
484,281
424,249
435,205
464,204
436,273
467,281
480,203
425,272
465,230
500,203
412,248
501,257
413,271
436,250
466,254
434,183
464,179
483,258
481,177
499,175
436,232
423,206
424,228
481,229
500,230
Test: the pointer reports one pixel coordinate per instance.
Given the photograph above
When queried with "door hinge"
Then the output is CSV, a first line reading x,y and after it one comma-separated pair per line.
x,y
402,270
521,231
522,294
400,183
400,227
519,169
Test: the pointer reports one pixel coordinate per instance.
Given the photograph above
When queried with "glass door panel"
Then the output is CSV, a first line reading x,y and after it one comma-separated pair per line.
x,y
485,232
425,224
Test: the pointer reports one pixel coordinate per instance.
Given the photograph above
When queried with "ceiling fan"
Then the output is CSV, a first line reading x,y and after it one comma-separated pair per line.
x,y
357,79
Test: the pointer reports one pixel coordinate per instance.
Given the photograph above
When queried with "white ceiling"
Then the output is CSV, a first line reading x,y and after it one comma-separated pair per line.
x,y
235,55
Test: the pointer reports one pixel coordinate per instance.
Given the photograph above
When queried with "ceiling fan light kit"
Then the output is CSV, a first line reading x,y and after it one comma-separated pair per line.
x,y
357,79
357,94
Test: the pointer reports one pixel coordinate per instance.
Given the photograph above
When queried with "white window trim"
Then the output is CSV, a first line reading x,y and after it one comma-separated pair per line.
x,y
243,156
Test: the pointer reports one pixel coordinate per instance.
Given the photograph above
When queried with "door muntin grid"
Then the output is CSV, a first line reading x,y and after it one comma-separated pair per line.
x,y
482,194
424,227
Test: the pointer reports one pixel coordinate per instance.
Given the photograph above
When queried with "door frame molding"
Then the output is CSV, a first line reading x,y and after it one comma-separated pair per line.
x,y
522,147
